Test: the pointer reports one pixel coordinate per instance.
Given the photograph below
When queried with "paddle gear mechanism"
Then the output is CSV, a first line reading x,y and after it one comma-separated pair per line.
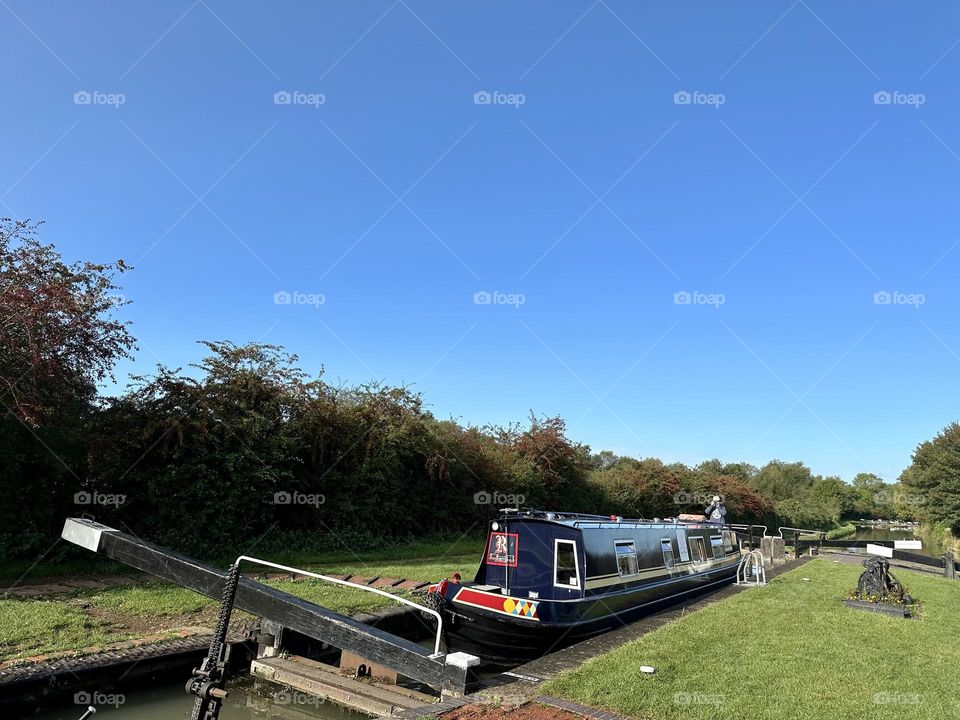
x,y
208,681
877,581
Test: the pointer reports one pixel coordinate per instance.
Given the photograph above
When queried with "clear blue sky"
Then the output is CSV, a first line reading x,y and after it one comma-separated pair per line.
x,y
783,187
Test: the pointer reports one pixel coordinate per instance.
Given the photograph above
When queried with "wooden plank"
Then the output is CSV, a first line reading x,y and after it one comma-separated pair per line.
x,y
349,661
315,621
327,684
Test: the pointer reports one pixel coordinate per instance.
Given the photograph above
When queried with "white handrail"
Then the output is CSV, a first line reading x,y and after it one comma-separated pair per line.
x,y
751,565
798,530
747,527
338,581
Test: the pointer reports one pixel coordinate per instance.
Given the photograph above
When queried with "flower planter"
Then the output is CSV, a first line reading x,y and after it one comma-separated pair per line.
x,y
884,608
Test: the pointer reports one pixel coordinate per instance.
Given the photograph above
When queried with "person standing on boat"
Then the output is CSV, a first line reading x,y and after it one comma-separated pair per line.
x,y
716,512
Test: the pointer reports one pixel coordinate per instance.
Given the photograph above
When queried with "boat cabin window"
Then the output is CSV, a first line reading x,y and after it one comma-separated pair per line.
x,y
627,558
565,572
666,545
728,541
717,542
698,550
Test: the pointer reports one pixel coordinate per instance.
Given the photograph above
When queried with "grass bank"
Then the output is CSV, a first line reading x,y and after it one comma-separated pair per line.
x,y
93,619
790,651
938,537
72,561
842,532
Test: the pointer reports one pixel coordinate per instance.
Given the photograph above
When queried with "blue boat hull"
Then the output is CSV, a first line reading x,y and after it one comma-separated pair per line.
x,y
504,640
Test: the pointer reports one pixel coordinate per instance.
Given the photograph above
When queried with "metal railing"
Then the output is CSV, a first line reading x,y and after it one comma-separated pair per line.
x,y
751,566
749,530
798,531
347,583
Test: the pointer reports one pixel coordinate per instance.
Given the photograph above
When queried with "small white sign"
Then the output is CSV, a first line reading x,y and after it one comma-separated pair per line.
x,y
682,545
879,550
908,545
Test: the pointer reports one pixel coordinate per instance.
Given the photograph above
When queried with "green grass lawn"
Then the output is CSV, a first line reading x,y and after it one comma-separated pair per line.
x,y
33,627
790,651
94,618
429,555
149,600
163,601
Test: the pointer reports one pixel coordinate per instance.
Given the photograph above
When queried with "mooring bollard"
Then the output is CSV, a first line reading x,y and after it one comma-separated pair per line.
x,y
949,569
456,673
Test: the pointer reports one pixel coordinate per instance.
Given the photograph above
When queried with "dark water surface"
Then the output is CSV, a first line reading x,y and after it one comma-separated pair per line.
x,y
874,533
168,701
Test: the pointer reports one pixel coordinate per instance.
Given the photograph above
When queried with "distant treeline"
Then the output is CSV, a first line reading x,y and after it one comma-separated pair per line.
x,y
247,449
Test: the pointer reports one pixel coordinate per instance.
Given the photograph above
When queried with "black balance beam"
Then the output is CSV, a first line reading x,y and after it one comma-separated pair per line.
x,y
315,621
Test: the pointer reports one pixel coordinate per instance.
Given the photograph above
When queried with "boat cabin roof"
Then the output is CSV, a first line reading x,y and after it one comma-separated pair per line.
x,y
583,520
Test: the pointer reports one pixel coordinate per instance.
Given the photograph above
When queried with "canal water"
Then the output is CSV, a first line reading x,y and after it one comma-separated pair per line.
x,y
873,534
169,701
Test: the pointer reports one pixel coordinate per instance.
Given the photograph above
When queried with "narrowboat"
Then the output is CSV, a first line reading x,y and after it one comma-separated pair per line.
x,y
550,579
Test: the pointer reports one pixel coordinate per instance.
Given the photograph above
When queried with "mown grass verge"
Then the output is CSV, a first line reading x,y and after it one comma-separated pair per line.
x,y
842,532
76,562
790,651
84,619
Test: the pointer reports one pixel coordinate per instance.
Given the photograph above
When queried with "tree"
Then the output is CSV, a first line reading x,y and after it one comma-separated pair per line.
x,y
58,336
604,460
740,470
934,478
778,480
803,514
833,496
